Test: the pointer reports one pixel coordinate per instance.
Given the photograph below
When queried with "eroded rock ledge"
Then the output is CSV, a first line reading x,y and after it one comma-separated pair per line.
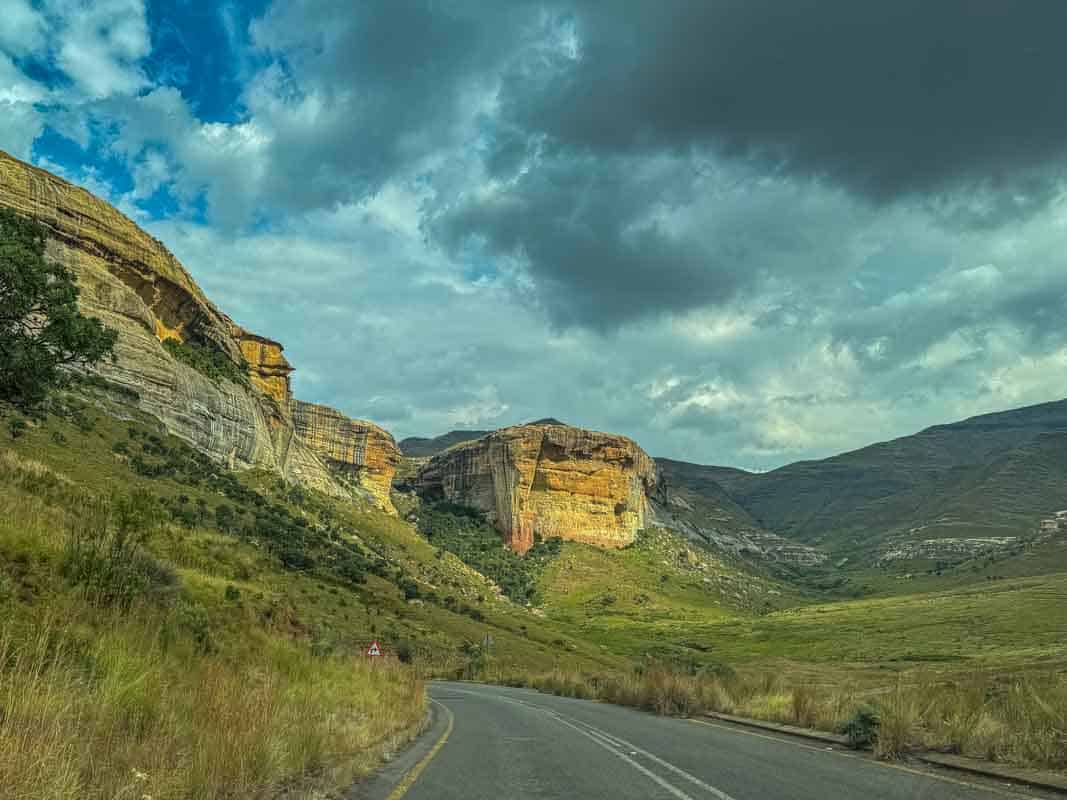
x,y
548,480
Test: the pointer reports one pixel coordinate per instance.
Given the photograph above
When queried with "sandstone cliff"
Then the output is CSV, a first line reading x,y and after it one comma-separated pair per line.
x,y
359,451
548,480
134,285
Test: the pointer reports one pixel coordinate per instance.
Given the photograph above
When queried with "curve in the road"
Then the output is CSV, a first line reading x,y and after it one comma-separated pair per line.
x,y
516,744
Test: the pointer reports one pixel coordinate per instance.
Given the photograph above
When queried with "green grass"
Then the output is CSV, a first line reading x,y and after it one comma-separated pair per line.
x,y
195,693
208,360
465,533
454,604
241,602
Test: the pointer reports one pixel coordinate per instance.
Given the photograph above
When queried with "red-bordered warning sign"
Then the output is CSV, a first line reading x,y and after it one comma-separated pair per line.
x,y
375,649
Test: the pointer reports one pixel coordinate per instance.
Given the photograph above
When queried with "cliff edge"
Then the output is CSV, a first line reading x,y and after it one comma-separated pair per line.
x,y
546,480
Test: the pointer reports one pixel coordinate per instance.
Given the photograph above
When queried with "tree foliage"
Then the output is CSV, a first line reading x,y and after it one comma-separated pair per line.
x,y
41,329
464,532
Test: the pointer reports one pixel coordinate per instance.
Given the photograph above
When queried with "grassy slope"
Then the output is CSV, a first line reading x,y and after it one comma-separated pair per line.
x,y
190,695
211,560
986,476
246,675
601,610
647,599
712,612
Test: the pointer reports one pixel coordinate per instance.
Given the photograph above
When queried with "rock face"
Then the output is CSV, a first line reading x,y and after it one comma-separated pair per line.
x,y
548,480
358,451
134,285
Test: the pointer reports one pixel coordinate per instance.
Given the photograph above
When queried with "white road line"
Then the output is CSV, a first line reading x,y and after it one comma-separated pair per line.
x,y
611,742
674,790
717,793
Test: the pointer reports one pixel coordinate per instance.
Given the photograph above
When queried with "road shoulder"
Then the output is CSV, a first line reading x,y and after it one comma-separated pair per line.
x,y
393,780
1036,779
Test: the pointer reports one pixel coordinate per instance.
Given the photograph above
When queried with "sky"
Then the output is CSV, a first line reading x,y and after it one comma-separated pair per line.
x,y
742,232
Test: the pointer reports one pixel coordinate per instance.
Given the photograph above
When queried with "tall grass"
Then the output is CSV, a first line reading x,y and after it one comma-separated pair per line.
x,y
121,716
1020,719
107,693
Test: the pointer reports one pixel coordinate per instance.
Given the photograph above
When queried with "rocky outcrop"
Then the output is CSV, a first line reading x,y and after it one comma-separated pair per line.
x,y
135,286
268,369
548,480
359,452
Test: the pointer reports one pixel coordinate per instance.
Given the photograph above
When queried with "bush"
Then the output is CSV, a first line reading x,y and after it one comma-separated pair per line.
x,y
209,361
464,532
105,551
16,426
862,729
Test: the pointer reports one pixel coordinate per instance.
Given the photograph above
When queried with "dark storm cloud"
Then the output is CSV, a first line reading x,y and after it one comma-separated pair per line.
x,y
958,106
607,240
582,226
885,97
362,91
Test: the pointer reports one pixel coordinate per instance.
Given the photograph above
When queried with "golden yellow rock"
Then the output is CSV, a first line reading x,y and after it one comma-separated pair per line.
x,y
267,367
135,286
548,480
359,451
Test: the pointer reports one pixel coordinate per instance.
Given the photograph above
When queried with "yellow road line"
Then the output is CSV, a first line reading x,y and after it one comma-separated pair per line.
x,y
408,780
898,767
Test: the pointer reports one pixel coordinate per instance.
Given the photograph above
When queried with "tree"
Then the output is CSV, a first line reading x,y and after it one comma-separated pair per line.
x,y
41,329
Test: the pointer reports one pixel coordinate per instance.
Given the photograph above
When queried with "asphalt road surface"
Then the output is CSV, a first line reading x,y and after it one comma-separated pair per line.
x,y
514,744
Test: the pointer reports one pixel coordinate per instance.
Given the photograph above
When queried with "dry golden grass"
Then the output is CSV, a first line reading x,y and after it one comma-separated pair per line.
x,y
120,716
104,702
1021,719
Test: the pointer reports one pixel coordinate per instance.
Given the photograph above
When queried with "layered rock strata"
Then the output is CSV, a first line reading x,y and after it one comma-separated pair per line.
x,y
134,285
359,451
546,481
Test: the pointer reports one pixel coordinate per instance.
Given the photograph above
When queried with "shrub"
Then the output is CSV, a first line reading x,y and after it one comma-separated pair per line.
x,y
208,360
862,729
105,551
464,532
16,426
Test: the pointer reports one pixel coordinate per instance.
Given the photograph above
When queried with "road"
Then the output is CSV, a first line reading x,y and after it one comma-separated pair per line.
x,y
514,744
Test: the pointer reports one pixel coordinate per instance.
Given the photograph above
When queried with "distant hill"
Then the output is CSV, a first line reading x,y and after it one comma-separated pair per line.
x,y
692,502
422,447
994,476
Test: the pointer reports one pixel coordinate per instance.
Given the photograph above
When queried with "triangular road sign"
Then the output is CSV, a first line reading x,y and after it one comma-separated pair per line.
x,y
374,649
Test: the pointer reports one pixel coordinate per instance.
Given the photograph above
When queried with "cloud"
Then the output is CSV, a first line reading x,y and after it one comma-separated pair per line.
x,y
738,232
357,94
887,99
99,44
21,126
22,28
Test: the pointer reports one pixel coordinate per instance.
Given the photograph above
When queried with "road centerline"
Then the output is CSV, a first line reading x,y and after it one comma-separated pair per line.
x,y
613,742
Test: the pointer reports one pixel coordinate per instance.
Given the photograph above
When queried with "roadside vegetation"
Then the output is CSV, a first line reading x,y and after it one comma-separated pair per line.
x,y
125,673
1020,719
